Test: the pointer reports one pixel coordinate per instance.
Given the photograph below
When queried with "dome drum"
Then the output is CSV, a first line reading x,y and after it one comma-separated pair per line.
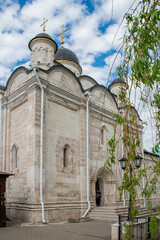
x,y
43,49
117,83
116,86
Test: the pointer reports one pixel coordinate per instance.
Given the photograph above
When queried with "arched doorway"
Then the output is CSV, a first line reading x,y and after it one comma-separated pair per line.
x,y
105,183
99,190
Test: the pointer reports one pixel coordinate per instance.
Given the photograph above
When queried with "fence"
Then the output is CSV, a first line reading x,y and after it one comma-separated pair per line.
x,y
140,228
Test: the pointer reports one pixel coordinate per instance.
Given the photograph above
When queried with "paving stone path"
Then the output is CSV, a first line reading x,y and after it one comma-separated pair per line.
x,y
93,230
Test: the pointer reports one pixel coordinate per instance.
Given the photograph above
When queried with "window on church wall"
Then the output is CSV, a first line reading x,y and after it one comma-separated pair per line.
x,y
14,157
102,136
65,157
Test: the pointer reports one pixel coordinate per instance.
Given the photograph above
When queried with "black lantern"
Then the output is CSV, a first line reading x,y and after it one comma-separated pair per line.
x,y
138,161
123,161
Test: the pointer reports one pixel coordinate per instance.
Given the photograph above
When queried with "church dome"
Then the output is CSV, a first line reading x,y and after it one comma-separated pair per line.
x,y
42,36
116,85
69,60
45,35
66,54
118,80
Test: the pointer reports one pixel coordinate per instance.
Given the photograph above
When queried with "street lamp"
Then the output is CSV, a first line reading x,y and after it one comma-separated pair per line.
x,y
123,161
137,163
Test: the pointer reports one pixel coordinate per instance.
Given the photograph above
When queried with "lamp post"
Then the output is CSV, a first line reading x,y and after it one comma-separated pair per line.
x,y
137,163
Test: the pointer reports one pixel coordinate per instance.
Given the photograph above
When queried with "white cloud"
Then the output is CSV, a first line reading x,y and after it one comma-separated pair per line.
x,y
90,34
5,72
146,114
98,73
9,18
19,25
13,48
113,61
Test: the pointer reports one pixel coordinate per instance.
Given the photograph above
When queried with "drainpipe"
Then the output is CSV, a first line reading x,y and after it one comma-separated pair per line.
x,y
87,149
122,129
0,127
41,143
143,180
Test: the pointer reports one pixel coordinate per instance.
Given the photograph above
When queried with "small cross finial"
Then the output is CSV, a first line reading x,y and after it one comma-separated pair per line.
x,y
43,24
62,33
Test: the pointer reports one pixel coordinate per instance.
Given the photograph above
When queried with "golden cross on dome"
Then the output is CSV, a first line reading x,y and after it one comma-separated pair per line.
x,y
63,31
43,24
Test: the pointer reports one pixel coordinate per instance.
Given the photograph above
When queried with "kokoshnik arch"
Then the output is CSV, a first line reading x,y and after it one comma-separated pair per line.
x,y
55,125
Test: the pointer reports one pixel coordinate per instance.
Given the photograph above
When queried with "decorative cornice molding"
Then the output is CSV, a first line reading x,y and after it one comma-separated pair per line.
x,y
18,102
65,103
63,94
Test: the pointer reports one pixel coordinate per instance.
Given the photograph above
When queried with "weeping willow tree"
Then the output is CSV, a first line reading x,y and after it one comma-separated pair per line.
x,y
141,70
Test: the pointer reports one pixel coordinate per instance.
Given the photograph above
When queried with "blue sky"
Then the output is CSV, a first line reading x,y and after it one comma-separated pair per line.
x,y
92,27
90,35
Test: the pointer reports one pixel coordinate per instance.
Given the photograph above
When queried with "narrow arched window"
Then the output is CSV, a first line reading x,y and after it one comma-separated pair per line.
x,y
65,157
14,156
102,136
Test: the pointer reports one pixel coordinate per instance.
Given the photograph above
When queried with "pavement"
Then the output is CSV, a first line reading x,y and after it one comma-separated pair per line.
x,y
92,230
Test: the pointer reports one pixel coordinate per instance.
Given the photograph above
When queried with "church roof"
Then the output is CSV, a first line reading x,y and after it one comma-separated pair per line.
x,y
44,35
2,87
66,54
118,80
150,153
41,36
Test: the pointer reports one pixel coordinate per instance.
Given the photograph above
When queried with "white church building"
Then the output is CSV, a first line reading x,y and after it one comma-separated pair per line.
x,y
55,126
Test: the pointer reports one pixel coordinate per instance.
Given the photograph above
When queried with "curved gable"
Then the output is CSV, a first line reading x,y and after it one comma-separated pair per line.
x,y
136,113
133,111
105,173
102,96
87,81
17,79
63,78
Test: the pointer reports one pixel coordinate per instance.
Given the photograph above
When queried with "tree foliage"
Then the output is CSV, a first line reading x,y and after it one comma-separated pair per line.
x,y
141,70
